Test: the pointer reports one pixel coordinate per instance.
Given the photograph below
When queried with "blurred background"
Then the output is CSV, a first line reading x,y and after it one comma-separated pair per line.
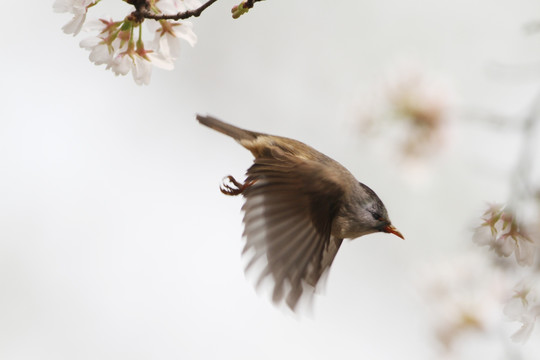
x,y
115,242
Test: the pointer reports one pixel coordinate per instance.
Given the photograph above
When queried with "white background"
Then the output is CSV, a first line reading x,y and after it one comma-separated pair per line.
x,y
115,242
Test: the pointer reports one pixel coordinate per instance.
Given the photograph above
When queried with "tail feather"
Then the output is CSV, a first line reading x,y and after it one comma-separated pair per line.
x,y
227,129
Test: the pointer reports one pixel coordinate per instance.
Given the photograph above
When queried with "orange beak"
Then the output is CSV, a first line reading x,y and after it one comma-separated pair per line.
x,y
392,230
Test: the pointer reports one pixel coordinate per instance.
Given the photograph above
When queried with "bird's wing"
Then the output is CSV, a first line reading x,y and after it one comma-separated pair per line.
x,y
289,211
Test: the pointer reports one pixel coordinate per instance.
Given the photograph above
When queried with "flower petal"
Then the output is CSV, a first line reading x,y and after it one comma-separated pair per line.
x,y
161,61
75,25
185,31
525,252
141,70
523,334
504,246
482,236
121,64
90,42
100,55
514,308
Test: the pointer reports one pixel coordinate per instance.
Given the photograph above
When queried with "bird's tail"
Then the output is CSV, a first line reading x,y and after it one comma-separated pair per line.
x,y
227,129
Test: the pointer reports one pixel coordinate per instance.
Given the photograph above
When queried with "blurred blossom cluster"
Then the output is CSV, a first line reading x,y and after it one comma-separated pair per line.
x,y
469,298
423,105
524,307
121,45
464,298
501,231
487,295
415,104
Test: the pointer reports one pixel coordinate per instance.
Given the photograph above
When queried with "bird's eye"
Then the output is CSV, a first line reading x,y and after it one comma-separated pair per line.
x,y
376,216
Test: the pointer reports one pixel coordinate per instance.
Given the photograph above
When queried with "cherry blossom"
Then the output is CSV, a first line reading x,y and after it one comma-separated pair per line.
x,y
423,103
523,307
99,50
78,8
116,48
502,232
120,45
168,35
463,296
412,108
110,40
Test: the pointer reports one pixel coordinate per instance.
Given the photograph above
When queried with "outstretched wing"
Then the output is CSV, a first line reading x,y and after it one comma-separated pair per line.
x,y
289,211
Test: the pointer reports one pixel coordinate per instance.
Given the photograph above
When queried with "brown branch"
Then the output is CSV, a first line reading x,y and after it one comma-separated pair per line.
x,y
249,3
143,11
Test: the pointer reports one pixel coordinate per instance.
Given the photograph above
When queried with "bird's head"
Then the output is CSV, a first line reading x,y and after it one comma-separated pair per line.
x,y
369,214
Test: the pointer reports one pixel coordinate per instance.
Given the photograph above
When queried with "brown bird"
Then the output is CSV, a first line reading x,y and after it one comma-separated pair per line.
x,y
300,205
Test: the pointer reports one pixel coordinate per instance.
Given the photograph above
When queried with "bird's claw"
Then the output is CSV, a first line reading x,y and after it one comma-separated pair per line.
x,y
234,187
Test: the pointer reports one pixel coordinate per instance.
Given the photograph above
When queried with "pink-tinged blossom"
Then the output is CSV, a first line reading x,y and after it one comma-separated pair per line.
x,y
423,104
501,231
121,64
110,41
117,50
168,35
523,307
115,47
140,67
143,60
141,70
139,61
76,7
99,50
413,110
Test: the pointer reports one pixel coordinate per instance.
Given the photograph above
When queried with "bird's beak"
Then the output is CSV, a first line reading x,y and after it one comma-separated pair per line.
x,y
392,230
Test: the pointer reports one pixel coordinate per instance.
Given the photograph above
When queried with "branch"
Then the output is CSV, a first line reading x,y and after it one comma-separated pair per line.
x,y
143,12
249,3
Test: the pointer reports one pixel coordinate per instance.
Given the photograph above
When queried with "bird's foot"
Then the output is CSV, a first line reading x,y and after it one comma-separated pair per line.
x,y
234,187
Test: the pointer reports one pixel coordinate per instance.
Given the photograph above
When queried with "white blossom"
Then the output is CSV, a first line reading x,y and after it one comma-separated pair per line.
x,y
523,307
167,35
160,60
176,6
99,50
121,64
78,8
464,296
413,109
141,70
505,235
120,45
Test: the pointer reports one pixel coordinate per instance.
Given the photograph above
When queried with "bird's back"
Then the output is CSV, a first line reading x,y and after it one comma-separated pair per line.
x,y
261,144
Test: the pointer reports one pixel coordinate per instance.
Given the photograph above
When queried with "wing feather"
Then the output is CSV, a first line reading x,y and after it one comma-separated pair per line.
x,y
288,220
